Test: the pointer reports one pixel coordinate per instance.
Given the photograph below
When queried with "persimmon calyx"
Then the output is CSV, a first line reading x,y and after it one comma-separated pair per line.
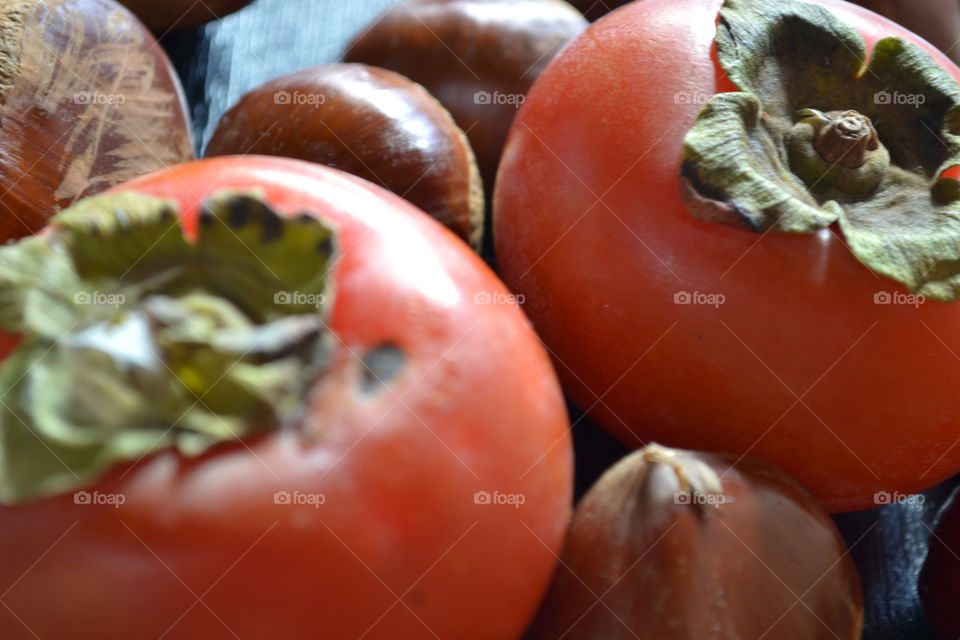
x,y
138,336
819,135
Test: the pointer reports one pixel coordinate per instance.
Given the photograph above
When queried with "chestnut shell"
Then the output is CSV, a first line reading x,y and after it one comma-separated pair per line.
x,y
762,560
373,123
89,100
177,15
594,9
478,57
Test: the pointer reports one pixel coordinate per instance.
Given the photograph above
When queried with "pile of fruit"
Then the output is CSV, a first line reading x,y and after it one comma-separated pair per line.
x,y
319,383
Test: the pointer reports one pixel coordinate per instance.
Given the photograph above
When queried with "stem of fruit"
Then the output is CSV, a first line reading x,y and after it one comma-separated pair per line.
x,y
837,148
843,139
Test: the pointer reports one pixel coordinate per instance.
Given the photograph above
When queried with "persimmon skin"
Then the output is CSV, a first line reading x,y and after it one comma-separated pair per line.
x,y
798,366
399,544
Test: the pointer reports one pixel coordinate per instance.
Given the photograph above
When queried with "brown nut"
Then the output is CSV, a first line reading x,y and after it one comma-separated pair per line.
x,y
594,9
672,544
176,15
936,20
88,99
478,57
370,122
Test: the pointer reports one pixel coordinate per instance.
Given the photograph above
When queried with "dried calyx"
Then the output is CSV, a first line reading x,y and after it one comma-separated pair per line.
x,y
819,135
139,336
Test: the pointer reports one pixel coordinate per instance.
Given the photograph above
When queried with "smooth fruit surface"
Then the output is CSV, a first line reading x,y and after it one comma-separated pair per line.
x,y
363,520
696,334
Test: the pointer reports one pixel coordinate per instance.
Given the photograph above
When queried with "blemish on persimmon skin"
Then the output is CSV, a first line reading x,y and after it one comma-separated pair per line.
x,y
380,366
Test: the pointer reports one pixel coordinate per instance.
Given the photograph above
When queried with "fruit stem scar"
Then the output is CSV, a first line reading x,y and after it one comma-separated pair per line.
x,y
842,137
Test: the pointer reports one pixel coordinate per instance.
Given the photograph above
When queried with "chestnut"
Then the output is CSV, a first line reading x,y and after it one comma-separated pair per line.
x,y
177,15
594,9
673,544
89,99
936,20
478,57
939,581
370,122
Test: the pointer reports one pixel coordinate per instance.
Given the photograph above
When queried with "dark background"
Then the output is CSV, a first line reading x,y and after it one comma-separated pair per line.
x,y
221,61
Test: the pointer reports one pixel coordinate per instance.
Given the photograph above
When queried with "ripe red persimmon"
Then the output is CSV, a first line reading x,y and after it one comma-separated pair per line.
x,y
422,486
701,335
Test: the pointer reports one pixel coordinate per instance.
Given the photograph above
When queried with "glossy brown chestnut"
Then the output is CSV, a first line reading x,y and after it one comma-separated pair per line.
x,y
175,15
370,122
478,57
672,545
594,9
939,583
936,20
88,99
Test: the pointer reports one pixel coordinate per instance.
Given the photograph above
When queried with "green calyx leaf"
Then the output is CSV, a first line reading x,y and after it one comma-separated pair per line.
x,y
756,158
137,338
